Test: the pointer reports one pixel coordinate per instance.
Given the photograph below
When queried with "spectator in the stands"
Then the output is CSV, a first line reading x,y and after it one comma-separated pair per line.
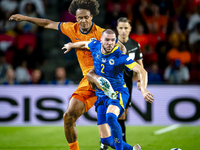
x,y
154,74
9,6
161,50
30,11
113,15
39,7
60,77
194,19
180,53
195,36
176,36
3,67
155,21
10,77
140,36
137,15
22,73
176,73
149,56
36,77
6,10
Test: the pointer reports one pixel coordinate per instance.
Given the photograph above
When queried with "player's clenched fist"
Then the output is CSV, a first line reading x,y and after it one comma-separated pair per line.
x,y
17,17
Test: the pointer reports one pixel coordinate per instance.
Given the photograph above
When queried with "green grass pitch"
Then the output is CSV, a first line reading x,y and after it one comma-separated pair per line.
x,y
52,138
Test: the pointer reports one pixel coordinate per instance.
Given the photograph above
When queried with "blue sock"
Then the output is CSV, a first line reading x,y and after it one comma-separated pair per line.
x,y
108,141
116,130
127,146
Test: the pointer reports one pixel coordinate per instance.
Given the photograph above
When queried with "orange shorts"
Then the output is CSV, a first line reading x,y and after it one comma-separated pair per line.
x,y
85,94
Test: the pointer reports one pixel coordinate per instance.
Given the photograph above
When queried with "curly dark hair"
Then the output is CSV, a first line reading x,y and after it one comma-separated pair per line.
x,y
91,5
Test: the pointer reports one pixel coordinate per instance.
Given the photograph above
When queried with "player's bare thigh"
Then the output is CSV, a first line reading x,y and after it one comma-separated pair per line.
x,y
104,130
75,108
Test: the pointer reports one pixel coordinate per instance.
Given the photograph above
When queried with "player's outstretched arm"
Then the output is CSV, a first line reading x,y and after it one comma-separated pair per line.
x,y
46,23
143,79
69,46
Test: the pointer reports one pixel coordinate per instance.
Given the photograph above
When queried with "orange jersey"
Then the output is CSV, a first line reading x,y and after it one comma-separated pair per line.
x,y
72,30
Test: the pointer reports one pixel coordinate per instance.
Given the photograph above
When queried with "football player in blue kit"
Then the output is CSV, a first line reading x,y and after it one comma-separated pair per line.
x,y
110,62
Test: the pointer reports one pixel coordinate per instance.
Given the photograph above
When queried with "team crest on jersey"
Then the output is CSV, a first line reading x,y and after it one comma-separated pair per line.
x,y
97,56
103,60
111,62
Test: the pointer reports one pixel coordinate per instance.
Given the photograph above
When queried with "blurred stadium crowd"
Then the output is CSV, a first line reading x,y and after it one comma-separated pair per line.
x,y
167,30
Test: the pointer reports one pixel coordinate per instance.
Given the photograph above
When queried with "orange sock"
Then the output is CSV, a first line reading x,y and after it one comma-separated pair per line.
x,y
73,146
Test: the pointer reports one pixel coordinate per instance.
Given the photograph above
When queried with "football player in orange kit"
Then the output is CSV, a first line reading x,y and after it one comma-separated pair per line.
x,y
83,30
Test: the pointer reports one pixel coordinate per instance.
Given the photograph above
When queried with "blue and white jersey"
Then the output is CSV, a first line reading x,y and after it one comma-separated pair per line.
x,y
110,65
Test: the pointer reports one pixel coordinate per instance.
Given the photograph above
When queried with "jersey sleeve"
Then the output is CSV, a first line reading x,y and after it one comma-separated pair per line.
x,y
92,44
127,61
138,54
65,28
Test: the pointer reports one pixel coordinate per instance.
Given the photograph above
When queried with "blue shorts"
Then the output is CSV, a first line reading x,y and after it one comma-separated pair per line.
x,y
104,101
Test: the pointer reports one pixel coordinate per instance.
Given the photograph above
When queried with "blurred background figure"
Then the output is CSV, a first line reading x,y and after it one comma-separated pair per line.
x,y
60,77
36,77
177,73
140,36
3,67
29,9
10,77
195,36
38,7
9,6
22,73
194,19
154,74
114,13
149,55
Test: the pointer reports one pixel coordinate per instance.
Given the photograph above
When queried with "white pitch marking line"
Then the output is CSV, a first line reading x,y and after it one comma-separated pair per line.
x,y
167,129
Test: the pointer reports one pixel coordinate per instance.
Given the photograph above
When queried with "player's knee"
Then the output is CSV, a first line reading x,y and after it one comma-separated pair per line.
x,y
69,117
89,75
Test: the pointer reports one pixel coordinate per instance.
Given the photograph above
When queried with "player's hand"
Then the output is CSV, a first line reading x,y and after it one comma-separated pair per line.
x,y
147,96
139,85
67,47
17,17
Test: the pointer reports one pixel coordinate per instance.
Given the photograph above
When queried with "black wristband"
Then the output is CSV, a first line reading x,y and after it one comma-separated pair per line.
x,y
138,81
